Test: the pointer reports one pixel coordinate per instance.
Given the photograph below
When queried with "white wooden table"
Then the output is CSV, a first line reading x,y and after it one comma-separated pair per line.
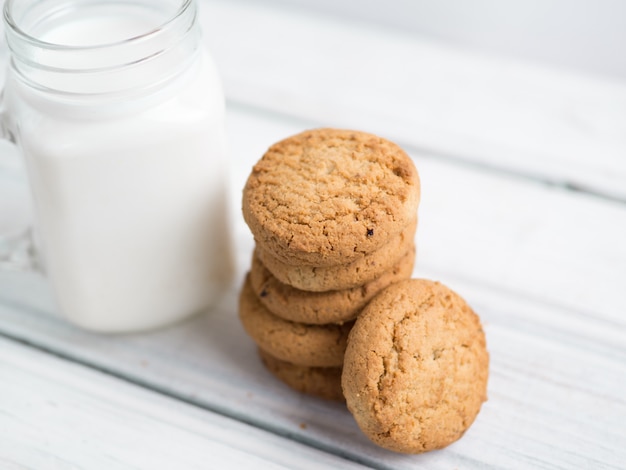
x,y
523,213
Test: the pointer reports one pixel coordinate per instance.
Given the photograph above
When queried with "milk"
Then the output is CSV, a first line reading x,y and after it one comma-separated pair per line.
x,y
96,24
129,194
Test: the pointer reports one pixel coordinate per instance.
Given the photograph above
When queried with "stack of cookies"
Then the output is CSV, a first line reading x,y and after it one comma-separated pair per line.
x,y
329,301
334,215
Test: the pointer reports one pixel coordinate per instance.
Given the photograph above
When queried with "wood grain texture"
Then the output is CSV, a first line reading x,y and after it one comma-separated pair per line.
x,y
501,114
61,415
543,266
554,401
517,251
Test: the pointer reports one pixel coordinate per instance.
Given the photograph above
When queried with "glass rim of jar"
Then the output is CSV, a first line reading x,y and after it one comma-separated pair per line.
x,y
106,69
13,27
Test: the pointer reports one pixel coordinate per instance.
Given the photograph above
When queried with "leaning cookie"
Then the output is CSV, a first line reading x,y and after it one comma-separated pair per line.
x,y
318,308
322,382
416,367
305,345
327,196
344,276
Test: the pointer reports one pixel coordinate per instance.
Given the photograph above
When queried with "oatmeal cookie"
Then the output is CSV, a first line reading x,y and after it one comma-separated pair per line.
x,y
327,196
416,367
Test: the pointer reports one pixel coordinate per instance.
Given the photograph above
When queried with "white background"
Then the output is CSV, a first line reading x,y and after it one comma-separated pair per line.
x,y
581,35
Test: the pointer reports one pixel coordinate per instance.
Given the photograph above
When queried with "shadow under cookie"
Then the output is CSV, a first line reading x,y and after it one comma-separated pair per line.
x,y
322,382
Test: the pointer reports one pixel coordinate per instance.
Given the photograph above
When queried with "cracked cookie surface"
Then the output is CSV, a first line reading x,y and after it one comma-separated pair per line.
x,y
327,197
335,306
416,367
305,345
344,276
322,382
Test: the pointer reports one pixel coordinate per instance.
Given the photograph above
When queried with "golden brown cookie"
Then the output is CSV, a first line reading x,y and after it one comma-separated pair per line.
x,y
327,197
318,308
322,382
416,367
305,345
345,276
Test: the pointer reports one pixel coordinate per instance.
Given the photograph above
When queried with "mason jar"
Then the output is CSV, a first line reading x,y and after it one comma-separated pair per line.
x,y
117,110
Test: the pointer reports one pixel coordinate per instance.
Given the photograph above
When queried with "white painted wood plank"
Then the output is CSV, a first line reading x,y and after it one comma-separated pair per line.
x,y
529,241
55,414
542,266
567,33
542,123
545,284
554,401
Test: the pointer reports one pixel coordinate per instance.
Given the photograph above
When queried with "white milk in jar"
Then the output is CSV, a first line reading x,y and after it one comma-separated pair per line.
x,y
124,144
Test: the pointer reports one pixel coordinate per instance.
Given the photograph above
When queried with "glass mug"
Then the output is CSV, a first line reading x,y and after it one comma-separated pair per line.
x,y
118,113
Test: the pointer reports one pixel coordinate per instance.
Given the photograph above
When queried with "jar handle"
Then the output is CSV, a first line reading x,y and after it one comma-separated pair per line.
x,y
17,247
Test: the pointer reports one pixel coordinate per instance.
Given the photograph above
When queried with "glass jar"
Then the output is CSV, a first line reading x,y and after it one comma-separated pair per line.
x,y
117,110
